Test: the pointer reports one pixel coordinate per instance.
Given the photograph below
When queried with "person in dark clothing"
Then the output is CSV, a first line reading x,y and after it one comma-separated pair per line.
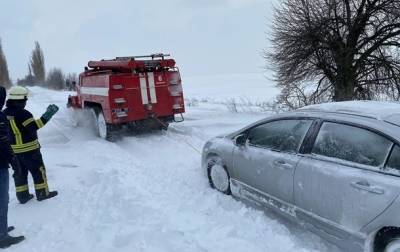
x,y
6,157
25,144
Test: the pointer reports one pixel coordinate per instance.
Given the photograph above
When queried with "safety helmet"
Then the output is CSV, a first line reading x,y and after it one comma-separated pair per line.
x,y
18,93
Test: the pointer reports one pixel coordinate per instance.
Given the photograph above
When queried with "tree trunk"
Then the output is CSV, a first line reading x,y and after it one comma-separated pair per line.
x,y
344,82
344,92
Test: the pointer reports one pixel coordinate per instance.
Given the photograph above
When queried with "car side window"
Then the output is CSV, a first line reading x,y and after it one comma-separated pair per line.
x,y
394,160
283,135
351,144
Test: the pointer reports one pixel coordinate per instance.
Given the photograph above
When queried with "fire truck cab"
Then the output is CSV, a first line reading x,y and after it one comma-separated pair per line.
x,y
140,92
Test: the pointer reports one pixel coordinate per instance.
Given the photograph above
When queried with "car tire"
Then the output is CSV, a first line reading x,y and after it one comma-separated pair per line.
x,y
218,175
387,240
392,245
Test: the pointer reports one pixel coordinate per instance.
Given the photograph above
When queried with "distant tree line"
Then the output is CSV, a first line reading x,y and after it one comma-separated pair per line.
x,y
5,80
36,76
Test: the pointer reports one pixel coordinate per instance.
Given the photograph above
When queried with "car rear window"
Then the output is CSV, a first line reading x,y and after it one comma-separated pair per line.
x,y
351,144
393,163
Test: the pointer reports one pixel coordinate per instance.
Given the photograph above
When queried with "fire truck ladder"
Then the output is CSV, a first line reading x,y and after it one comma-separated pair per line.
x,y
152,56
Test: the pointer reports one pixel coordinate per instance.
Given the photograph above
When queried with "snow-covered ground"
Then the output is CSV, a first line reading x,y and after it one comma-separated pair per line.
x,y
255,87
148,192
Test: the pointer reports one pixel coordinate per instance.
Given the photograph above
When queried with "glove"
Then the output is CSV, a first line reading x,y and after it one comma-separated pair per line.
x,y
50,112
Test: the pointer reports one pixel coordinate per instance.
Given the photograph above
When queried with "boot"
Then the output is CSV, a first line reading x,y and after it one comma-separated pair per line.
x,y
43,196
8,240
25,199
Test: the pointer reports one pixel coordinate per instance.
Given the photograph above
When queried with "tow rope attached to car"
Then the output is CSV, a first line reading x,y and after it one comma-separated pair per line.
x,y
182,138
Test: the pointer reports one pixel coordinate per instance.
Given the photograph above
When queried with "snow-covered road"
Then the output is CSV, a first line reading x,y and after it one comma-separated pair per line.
x,y
143,193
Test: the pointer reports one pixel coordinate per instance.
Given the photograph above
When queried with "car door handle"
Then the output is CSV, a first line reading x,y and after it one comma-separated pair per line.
x,y
282,164
365,186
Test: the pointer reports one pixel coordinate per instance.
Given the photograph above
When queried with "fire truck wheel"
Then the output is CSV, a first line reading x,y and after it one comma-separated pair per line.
x,y
218,175
104,130
102,125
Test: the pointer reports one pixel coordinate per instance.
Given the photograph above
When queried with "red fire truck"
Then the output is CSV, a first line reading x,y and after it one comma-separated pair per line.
x,y
139,92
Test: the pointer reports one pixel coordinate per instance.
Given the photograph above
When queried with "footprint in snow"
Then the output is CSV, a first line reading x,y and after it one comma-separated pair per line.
x,y
67,165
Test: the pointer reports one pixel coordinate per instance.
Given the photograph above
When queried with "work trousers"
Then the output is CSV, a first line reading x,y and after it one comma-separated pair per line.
x,y
4,181
31,162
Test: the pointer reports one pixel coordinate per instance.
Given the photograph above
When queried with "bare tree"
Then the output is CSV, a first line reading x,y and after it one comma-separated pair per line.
x,y
37,64
28,80
55,79
4,74
336,50
70,81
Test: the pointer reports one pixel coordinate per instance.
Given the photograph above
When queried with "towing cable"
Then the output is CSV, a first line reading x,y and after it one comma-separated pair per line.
x,y
189,144
182,138
197,150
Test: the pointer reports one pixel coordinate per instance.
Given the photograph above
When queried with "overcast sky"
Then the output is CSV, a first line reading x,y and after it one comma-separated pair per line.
x,y
204,36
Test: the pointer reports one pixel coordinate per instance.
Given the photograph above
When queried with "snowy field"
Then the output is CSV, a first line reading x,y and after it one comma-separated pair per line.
x,y
148,192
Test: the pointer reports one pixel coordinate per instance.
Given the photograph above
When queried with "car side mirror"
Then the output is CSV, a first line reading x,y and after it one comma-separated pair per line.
x,y
240,140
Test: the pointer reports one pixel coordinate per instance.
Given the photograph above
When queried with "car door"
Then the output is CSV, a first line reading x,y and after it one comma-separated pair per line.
x,y
268,160
341,180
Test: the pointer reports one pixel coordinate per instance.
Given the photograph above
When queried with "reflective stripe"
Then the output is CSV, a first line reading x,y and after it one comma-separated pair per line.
x,y
39,123
21,148
41,186
101,91
44,184
25,145
26,150
17,133
27,122
22,188
143,89
152,87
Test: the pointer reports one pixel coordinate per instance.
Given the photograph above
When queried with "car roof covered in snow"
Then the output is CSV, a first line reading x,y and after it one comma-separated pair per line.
x,y
384,111
381,116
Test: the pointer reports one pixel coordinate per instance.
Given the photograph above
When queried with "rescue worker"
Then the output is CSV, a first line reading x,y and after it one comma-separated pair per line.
x,y
25,144
6,157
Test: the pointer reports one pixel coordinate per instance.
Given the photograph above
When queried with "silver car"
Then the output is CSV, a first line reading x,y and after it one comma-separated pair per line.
x,y
334,168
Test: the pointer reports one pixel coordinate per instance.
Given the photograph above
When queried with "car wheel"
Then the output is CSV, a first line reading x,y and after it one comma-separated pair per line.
x,y
387,240
218,175
393,245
